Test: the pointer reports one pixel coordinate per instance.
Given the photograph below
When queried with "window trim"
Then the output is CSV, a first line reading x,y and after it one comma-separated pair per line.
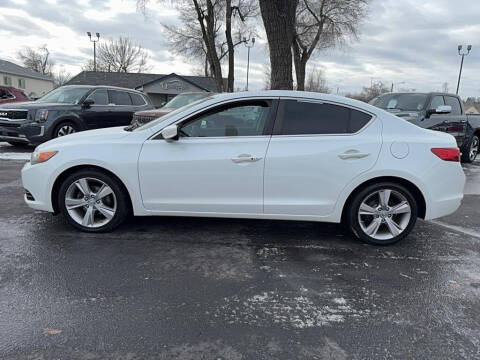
x,y
268,127
279,121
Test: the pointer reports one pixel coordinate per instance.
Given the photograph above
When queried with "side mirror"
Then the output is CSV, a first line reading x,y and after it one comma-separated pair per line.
x,y
87,103
442,109
170,132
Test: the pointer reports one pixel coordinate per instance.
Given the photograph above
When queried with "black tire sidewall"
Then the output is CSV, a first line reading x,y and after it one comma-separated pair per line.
x,y
466,150
118,189
62,124
360,196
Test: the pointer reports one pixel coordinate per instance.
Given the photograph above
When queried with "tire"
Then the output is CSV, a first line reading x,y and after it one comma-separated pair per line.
x,y
471,149
376,229
115,204
65,128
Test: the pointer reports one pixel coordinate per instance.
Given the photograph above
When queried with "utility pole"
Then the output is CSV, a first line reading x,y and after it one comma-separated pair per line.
x,y
94,48
462,54
249,44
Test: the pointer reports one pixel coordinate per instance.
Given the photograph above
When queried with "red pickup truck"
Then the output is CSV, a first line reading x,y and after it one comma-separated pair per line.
x,y
10,94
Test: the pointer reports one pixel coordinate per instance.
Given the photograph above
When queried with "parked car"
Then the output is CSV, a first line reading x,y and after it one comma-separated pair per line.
x,y
143,117
318,157
9,94
436,111
67,110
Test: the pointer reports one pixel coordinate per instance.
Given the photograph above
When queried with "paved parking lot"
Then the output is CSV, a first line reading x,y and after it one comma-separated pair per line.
x,y
234,289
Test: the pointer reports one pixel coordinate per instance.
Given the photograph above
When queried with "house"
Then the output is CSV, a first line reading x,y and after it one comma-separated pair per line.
x,y
472,109
31,82
160,88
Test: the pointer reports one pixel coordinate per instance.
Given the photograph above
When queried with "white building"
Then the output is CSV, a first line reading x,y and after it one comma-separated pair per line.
x,y
31,82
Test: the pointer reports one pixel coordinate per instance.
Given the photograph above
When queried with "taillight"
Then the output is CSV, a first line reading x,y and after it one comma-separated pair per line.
x,y
447,154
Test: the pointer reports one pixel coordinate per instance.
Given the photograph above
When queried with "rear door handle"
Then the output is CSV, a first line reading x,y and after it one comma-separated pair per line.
x,y
353,154
245,158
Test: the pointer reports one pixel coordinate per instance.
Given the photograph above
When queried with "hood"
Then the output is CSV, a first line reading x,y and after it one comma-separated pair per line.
x,y
90,136
29,105
154,113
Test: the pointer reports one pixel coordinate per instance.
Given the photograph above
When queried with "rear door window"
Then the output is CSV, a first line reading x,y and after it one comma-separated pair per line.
x,y
118,97
436,102
137,99
315,118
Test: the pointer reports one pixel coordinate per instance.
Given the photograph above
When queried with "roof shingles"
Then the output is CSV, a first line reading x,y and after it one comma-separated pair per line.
x,y
14,69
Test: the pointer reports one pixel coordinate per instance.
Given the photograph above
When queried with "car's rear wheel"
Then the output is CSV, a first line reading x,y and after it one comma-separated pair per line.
x,y
383,213
65,128
93,201
471,150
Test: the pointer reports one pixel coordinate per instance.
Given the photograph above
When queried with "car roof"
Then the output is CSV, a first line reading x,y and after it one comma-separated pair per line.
x,y
102,87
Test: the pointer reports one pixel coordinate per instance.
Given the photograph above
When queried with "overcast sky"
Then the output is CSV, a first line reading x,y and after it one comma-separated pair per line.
x,y
406,41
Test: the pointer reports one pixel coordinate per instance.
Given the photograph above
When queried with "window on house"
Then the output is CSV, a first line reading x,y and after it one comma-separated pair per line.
x,y
21,83
7,80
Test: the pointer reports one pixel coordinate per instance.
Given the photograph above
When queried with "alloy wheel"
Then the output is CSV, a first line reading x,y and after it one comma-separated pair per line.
x,y
474,147
65,130
90,202
384,214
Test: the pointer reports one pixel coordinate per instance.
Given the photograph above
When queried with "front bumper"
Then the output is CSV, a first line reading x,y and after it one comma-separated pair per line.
x,y
25,132
36,180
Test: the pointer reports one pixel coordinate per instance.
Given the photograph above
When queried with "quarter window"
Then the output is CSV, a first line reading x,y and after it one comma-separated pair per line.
x,y
239,119
455,104
302,118
119,97
137,99
100,97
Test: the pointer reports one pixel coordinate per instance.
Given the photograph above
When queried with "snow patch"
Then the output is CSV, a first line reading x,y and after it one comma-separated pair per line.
x,y
14,156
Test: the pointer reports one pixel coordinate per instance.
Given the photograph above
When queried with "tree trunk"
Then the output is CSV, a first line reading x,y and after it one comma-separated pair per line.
x,y
279,21
231,49
300,66
208,35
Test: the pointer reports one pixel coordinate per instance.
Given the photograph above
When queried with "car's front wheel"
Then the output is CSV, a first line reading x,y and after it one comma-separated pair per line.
x,y
383,213
93,201
65,128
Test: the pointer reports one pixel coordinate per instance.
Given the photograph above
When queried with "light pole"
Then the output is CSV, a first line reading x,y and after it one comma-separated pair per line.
x,y
249,44
399,83
94,48
462,54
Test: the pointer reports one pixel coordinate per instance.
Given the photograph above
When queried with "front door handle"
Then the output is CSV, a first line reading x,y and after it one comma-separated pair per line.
x,y
353,154
245,158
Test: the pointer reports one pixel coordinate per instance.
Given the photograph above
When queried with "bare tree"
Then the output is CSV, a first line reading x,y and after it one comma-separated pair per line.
x,y
323,24
210,31
122,55
37,59
279,21
368,93
316,82
61,77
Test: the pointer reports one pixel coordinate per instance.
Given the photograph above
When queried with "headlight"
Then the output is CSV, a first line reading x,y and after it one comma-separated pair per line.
x,y
41,115
41,156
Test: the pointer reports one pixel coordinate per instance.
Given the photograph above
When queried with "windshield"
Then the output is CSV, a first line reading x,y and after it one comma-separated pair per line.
x,y
409,102
182,100
169,115
65,95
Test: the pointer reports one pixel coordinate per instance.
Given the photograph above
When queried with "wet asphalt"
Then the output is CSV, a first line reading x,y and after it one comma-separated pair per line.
x,y
181,288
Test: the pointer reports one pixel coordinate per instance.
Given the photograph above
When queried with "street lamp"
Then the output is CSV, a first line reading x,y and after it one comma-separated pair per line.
x,y
249,44
462,54
399,83
94,48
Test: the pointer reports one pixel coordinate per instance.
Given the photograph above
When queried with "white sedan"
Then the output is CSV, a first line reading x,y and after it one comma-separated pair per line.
x,y
265,155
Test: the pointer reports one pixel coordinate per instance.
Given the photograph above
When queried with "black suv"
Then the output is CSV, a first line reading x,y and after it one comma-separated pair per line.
x,y
69,109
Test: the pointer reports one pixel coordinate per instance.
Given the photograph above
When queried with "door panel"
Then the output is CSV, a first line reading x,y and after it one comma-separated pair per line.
x,y
203,174
304,175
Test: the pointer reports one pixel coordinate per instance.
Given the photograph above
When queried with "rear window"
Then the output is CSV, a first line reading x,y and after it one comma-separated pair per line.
x,y
119,97
137,99
304,118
